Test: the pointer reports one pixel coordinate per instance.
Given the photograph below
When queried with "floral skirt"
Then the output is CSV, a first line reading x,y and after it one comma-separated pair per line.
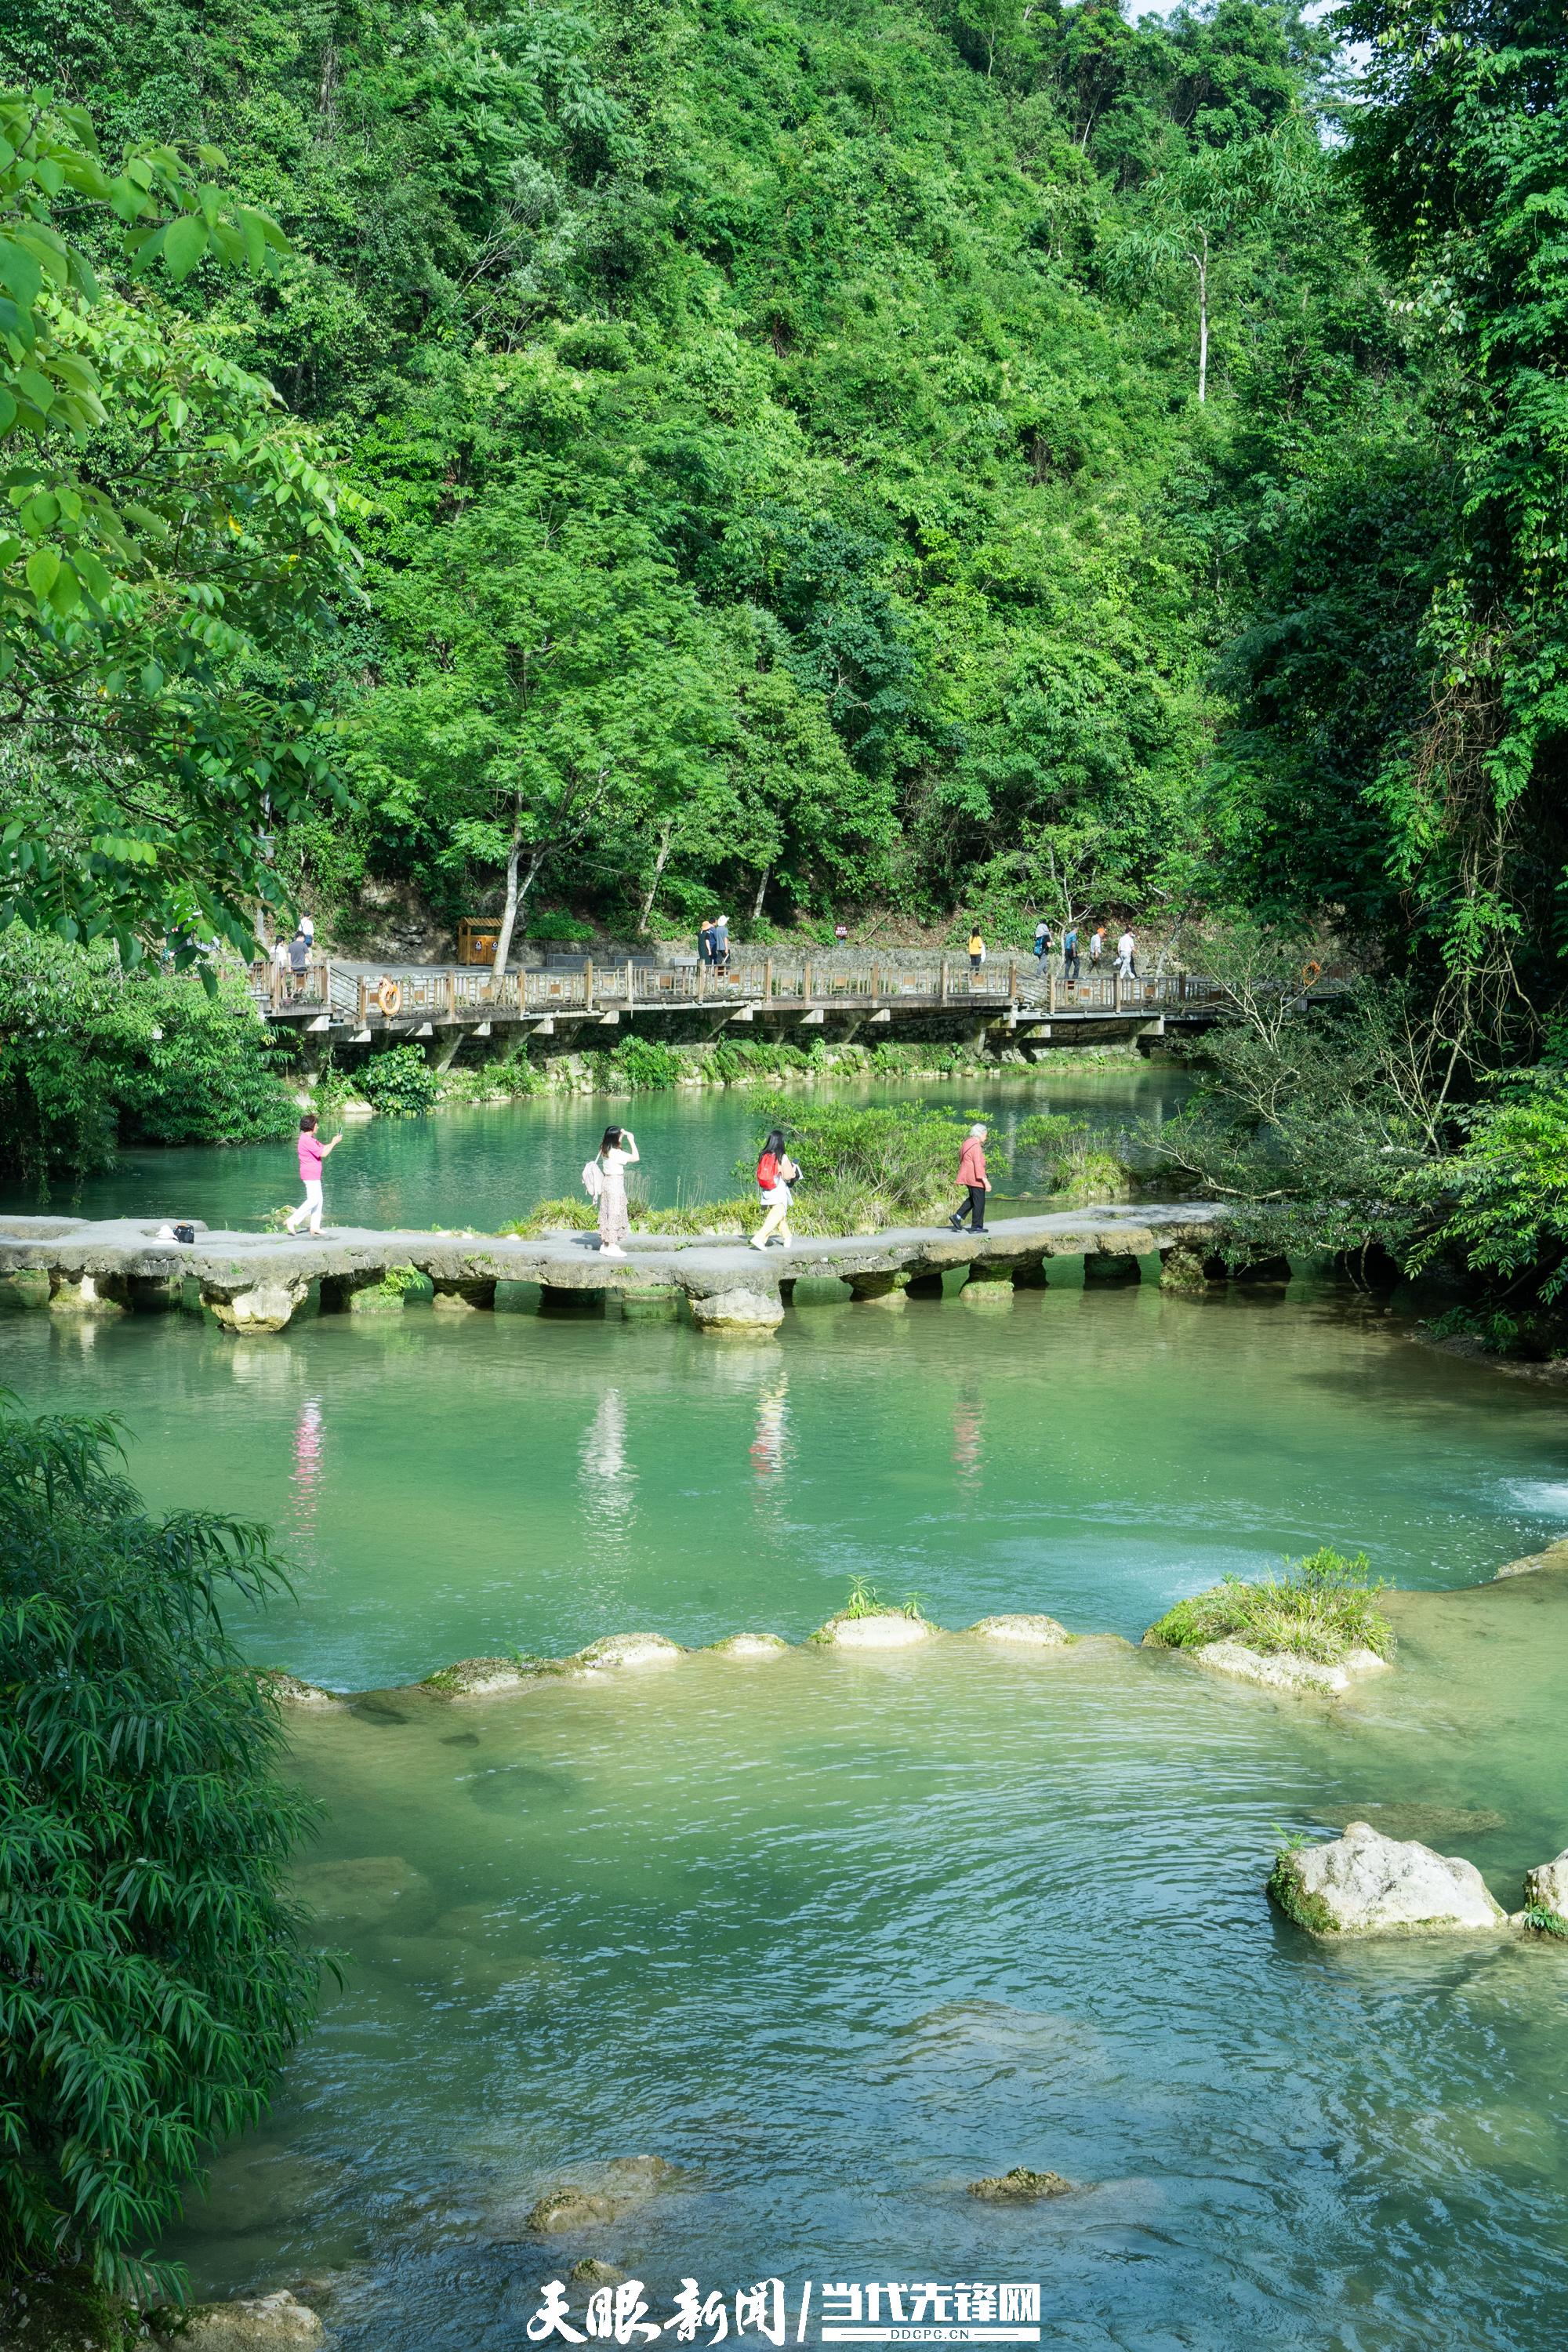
x,y
614,1224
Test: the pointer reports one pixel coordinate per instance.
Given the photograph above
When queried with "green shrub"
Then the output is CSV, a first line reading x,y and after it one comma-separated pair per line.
x,y
91,1055
554,923
400,1083
153,1978
645,1065
868,1165
1321,1608
1069,1164
575,1214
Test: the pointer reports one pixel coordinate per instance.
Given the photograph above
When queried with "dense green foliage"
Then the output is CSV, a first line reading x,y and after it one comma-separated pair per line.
x,y
866,1165
90,1056
1321,1607
167,543
152,1976
399,1083
786,477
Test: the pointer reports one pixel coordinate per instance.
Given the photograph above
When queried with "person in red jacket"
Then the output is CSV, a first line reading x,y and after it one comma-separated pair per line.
x,y
973,1177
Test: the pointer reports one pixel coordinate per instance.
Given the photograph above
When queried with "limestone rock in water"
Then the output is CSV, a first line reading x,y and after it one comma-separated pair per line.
x,y
262,2322
737,1310
591,2271
1281,1670
1554,1556
361,1892
1363,1883
1032,1632
750,1646
1546,1888
567,2206
290,1691
884,1629
629,1650
1019,2187
625,2182
479,1678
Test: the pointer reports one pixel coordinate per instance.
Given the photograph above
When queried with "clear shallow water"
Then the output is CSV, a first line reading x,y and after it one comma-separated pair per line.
x,y
459,1487
835,1937
487,1163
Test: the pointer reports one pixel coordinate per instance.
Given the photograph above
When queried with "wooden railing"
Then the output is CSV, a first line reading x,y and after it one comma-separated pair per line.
x,y
453,992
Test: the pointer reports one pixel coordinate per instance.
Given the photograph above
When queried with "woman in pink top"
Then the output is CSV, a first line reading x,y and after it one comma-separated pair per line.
x,y
973,1177
312,1151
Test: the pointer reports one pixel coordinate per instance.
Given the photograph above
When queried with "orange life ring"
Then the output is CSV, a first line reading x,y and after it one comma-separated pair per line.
x,y
1311,973
389,997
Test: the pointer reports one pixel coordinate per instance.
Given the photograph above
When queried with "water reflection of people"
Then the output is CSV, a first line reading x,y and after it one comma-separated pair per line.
x,y
769,1445
608,1475
966,1435
306,1476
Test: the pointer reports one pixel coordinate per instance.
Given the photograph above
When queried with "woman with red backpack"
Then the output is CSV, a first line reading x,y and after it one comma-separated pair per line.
x,y
776,1172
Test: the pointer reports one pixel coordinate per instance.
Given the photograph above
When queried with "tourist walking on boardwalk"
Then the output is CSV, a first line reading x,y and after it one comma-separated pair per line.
x,y
1070,955
312,1151
776,1172
617,1153
722,942
1095,947
976,951
1042,943
1126,957
299,957
973,1177
705,941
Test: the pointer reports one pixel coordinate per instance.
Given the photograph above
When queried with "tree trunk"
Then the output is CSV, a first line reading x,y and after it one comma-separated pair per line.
x,y
509,916
1203,267
665,839
762,893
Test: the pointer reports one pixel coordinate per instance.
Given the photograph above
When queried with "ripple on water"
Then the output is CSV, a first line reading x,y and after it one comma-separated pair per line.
x,y
837,1939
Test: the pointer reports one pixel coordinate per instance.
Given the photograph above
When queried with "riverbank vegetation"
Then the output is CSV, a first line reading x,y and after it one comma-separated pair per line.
x,y
154,1977
1321,1608
91,1057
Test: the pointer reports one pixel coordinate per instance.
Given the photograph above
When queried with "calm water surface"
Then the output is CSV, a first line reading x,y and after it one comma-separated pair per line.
x,y
488,1164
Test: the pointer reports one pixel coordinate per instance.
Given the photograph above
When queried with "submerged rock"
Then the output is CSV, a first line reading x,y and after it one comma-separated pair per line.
x,y
1033,1632
1546,1895
1283,1670
1019,2187
567,2206
619,2187
1363,1883
480,1677
360,1893
884,1629
254,2324
591,2271
628,1650
750,1645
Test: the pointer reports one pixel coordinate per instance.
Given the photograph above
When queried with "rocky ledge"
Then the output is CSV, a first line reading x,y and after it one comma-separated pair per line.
x,y
262,2322
1283,1670
1363,1883
875,1629
1030,1633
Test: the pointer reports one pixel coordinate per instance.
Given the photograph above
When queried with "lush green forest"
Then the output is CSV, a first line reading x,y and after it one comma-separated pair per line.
x,y
785,467
930,457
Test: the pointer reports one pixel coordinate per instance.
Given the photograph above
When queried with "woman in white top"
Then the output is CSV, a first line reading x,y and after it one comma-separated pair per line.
x,y
617,1153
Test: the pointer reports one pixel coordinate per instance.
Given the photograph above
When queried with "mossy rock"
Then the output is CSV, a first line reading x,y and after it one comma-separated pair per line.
x,y
1286,1890
66,2314
1019,2187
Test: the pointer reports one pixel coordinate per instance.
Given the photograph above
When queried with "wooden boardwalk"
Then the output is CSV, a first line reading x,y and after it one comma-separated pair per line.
x,y
357,1003
257,1282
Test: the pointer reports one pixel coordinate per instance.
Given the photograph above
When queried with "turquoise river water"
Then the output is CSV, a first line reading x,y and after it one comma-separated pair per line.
x,y
833,1936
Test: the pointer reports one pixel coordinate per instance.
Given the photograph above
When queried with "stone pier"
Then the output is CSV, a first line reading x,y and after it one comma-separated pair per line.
x,y
257,1282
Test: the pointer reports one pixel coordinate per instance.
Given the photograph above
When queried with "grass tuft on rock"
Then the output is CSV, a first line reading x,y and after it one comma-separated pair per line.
x,y
1286,1890
1322,1607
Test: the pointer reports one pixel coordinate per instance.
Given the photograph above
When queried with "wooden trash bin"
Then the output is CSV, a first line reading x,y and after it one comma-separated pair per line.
x,y
476,937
